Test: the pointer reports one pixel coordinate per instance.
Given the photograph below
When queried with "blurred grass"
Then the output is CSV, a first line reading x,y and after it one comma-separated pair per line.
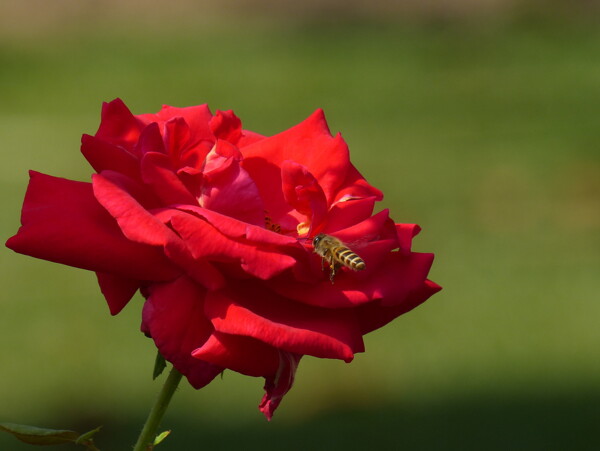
x,y
486,137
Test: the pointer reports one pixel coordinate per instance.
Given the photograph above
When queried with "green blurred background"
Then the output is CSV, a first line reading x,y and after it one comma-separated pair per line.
x,y
478,120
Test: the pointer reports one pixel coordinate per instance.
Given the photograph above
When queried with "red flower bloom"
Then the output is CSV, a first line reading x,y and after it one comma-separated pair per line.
x,y
213,224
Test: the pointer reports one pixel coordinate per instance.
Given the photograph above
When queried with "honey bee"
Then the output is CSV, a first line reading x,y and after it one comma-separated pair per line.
x,y
337,254
270,225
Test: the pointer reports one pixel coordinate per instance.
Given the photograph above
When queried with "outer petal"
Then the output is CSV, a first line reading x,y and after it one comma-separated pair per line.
x,y
118,291
252,311
374,315
373,239
397,277
406,232
348,213
276,387
244,355
173,316
248,138
376,227
342,294
63,223
406,275
374,254
134,188
141,226
253,358
355,186
136,222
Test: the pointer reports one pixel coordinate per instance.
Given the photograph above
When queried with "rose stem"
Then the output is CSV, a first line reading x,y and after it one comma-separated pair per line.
x,y
159,408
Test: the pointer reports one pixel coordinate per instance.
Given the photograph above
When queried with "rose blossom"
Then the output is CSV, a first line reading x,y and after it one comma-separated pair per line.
x,y
214,225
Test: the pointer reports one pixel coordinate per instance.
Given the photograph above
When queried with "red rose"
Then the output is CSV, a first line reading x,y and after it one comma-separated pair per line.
x,y
214,224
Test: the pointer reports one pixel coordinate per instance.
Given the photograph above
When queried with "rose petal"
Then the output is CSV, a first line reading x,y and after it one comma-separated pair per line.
x,y
193,179
249,138
136,222
260,235
347,213
374,254
187,133
355,186
182,133
406,232
200,270
374,315
376,227
204,241
196,117
397,276
228,189
134,188
310,144
252,311
182,147
257,237
141,226
244,355
117,290
106,156
158,174
343,294
150,141
372,239
227,126
118,126
405,275
276,387
236,229
173,316
176,135
63,223
301,190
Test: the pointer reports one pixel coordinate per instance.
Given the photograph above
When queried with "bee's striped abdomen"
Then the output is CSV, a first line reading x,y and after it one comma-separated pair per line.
x,y
349,259
270,225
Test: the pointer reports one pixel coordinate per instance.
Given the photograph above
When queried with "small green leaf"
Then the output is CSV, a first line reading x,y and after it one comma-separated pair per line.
x,y
159,366
87,436
39,436
160,437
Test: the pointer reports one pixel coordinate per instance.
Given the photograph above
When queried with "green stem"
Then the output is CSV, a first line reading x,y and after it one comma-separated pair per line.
x,y
148,434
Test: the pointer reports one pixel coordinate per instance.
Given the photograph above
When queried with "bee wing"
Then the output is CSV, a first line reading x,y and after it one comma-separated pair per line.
x,y
357,244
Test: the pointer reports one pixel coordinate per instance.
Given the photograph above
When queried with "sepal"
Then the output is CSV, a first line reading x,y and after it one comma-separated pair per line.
x,y
159,365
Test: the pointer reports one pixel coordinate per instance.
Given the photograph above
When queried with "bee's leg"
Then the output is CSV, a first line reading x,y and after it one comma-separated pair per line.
x,y
326,256
334,267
